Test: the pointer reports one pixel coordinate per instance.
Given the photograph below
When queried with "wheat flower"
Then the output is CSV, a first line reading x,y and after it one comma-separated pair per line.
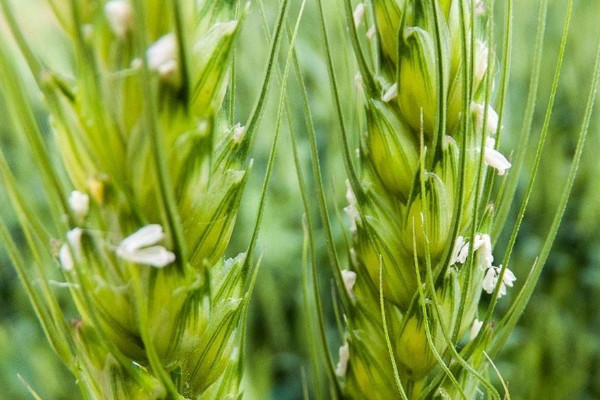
x,y
119,16
79,203
140,247
494,158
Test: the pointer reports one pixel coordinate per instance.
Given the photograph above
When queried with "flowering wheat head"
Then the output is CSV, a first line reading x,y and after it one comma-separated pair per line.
x,y
156,173
421,251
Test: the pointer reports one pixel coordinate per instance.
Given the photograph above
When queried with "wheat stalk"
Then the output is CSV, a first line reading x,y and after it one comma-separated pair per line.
x,y
421,208
421,251
156,173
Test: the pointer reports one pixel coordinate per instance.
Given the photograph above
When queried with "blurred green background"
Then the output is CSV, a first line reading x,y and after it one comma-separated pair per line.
x,y
555,351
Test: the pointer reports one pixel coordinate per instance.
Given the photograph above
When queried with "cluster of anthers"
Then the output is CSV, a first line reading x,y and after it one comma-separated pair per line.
x,y
482,245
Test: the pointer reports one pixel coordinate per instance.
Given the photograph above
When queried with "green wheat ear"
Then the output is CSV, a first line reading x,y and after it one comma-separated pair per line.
x,y
422,203
427,154
157,173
